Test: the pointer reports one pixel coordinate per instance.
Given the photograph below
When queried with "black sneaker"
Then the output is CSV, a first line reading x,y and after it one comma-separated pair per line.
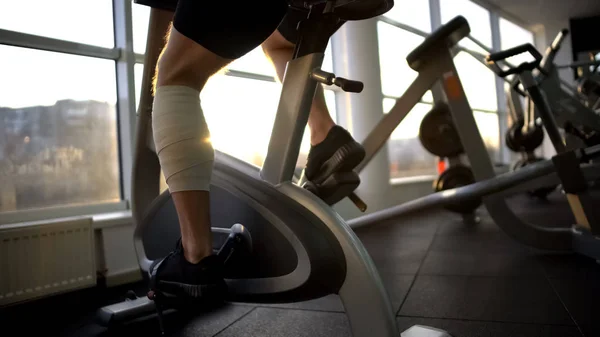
x,y
175,280
338,152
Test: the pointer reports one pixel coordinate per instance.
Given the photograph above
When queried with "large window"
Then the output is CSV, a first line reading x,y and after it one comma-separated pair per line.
x,y
140,18
412,13
60,117
478,18
59,113
58,136
512,35
478,81
89,22
407,156
240,113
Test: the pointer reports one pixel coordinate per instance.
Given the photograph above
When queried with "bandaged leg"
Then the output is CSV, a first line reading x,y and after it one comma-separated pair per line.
x,y
182,139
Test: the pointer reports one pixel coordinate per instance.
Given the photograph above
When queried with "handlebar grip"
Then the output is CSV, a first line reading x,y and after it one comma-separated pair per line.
x,y
349,85
558,40
504,54
493,58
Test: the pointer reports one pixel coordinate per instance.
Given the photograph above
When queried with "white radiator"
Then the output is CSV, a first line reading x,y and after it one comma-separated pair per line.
x,y
45,258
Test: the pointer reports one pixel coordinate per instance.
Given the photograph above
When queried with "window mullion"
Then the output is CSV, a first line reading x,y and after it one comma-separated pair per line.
x,y
125,91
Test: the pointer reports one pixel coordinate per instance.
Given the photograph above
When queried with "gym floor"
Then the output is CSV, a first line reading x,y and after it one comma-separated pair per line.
x,y
471,280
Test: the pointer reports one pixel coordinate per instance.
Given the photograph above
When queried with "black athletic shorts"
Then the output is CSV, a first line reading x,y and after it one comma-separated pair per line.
x,y
231,29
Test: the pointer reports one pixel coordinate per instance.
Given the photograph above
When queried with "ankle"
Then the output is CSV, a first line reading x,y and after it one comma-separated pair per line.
x,y
319,133
194,254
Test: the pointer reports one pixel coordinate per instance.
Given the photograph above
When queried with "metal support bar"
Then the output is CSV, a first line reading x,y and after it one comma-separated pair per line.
x,y
403,26
456,195
146,166
516,106
250,76
17,39
292,115
501,101
544,110
576,188
526,233
499,186
381,133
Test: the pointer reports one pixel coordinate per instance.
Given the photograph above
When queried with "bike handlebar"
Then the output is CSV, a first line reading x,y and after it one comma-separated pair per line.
x,y
558,40
551,51
493,59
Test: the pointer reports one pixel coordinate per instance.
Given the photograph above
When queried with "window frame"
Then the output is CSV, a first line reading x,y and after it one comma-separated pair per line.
x,y
58,212
122,55
433,7
125,59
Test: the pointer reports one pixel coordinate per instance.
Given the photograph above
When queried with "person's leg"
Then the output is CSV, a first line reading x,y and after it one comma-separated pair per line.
x,y
332,147
204,38
183,139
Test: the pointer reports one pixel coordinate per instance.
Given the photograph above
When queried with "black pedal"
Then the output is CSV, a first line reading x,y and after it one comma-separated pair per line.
x,y
336,187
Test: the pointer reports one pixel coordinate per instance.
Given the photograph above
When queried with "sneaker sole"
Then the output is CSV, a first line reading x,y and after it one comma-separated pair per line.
x,y
344,159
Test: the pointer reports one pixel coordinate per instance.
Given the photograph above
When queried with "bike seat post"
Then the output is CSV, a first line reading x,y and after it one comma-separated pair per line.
x,y
298,90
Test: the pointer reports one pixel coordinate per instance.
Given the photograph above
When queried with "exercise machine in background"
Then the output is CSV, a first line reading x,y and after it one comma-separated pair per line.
x,y
577,122
433,60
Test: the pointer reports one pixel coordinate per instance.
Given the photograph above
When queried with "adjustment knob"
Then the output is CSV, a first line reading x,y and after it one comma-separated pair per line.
x,y
349,85
330,79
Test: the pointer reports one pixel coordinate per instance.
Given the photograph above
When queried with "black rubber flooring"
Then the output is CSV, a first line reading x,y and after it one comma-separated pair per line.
x,y
471,280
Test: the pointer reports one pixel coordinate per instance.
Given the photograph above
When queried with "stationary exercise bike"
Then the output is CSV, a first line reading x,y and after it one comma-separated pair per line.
x,y
573,168
288,243
569,109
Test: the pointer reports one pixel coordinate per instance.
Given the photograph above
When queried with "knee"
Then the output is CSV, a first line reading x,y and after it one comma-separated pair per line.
x,y
173,68
186,63
182,139
276,42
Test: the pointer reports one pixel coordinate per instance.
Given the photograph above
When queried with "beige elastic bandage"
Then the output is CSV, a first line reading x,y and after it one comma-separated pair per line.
x,y
182,139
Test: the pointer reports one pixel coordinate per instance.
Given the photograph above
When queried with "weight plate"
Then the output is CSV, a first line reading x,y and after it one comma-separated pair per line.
x,y
518,142
453,177
513,139
438,134
534,139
